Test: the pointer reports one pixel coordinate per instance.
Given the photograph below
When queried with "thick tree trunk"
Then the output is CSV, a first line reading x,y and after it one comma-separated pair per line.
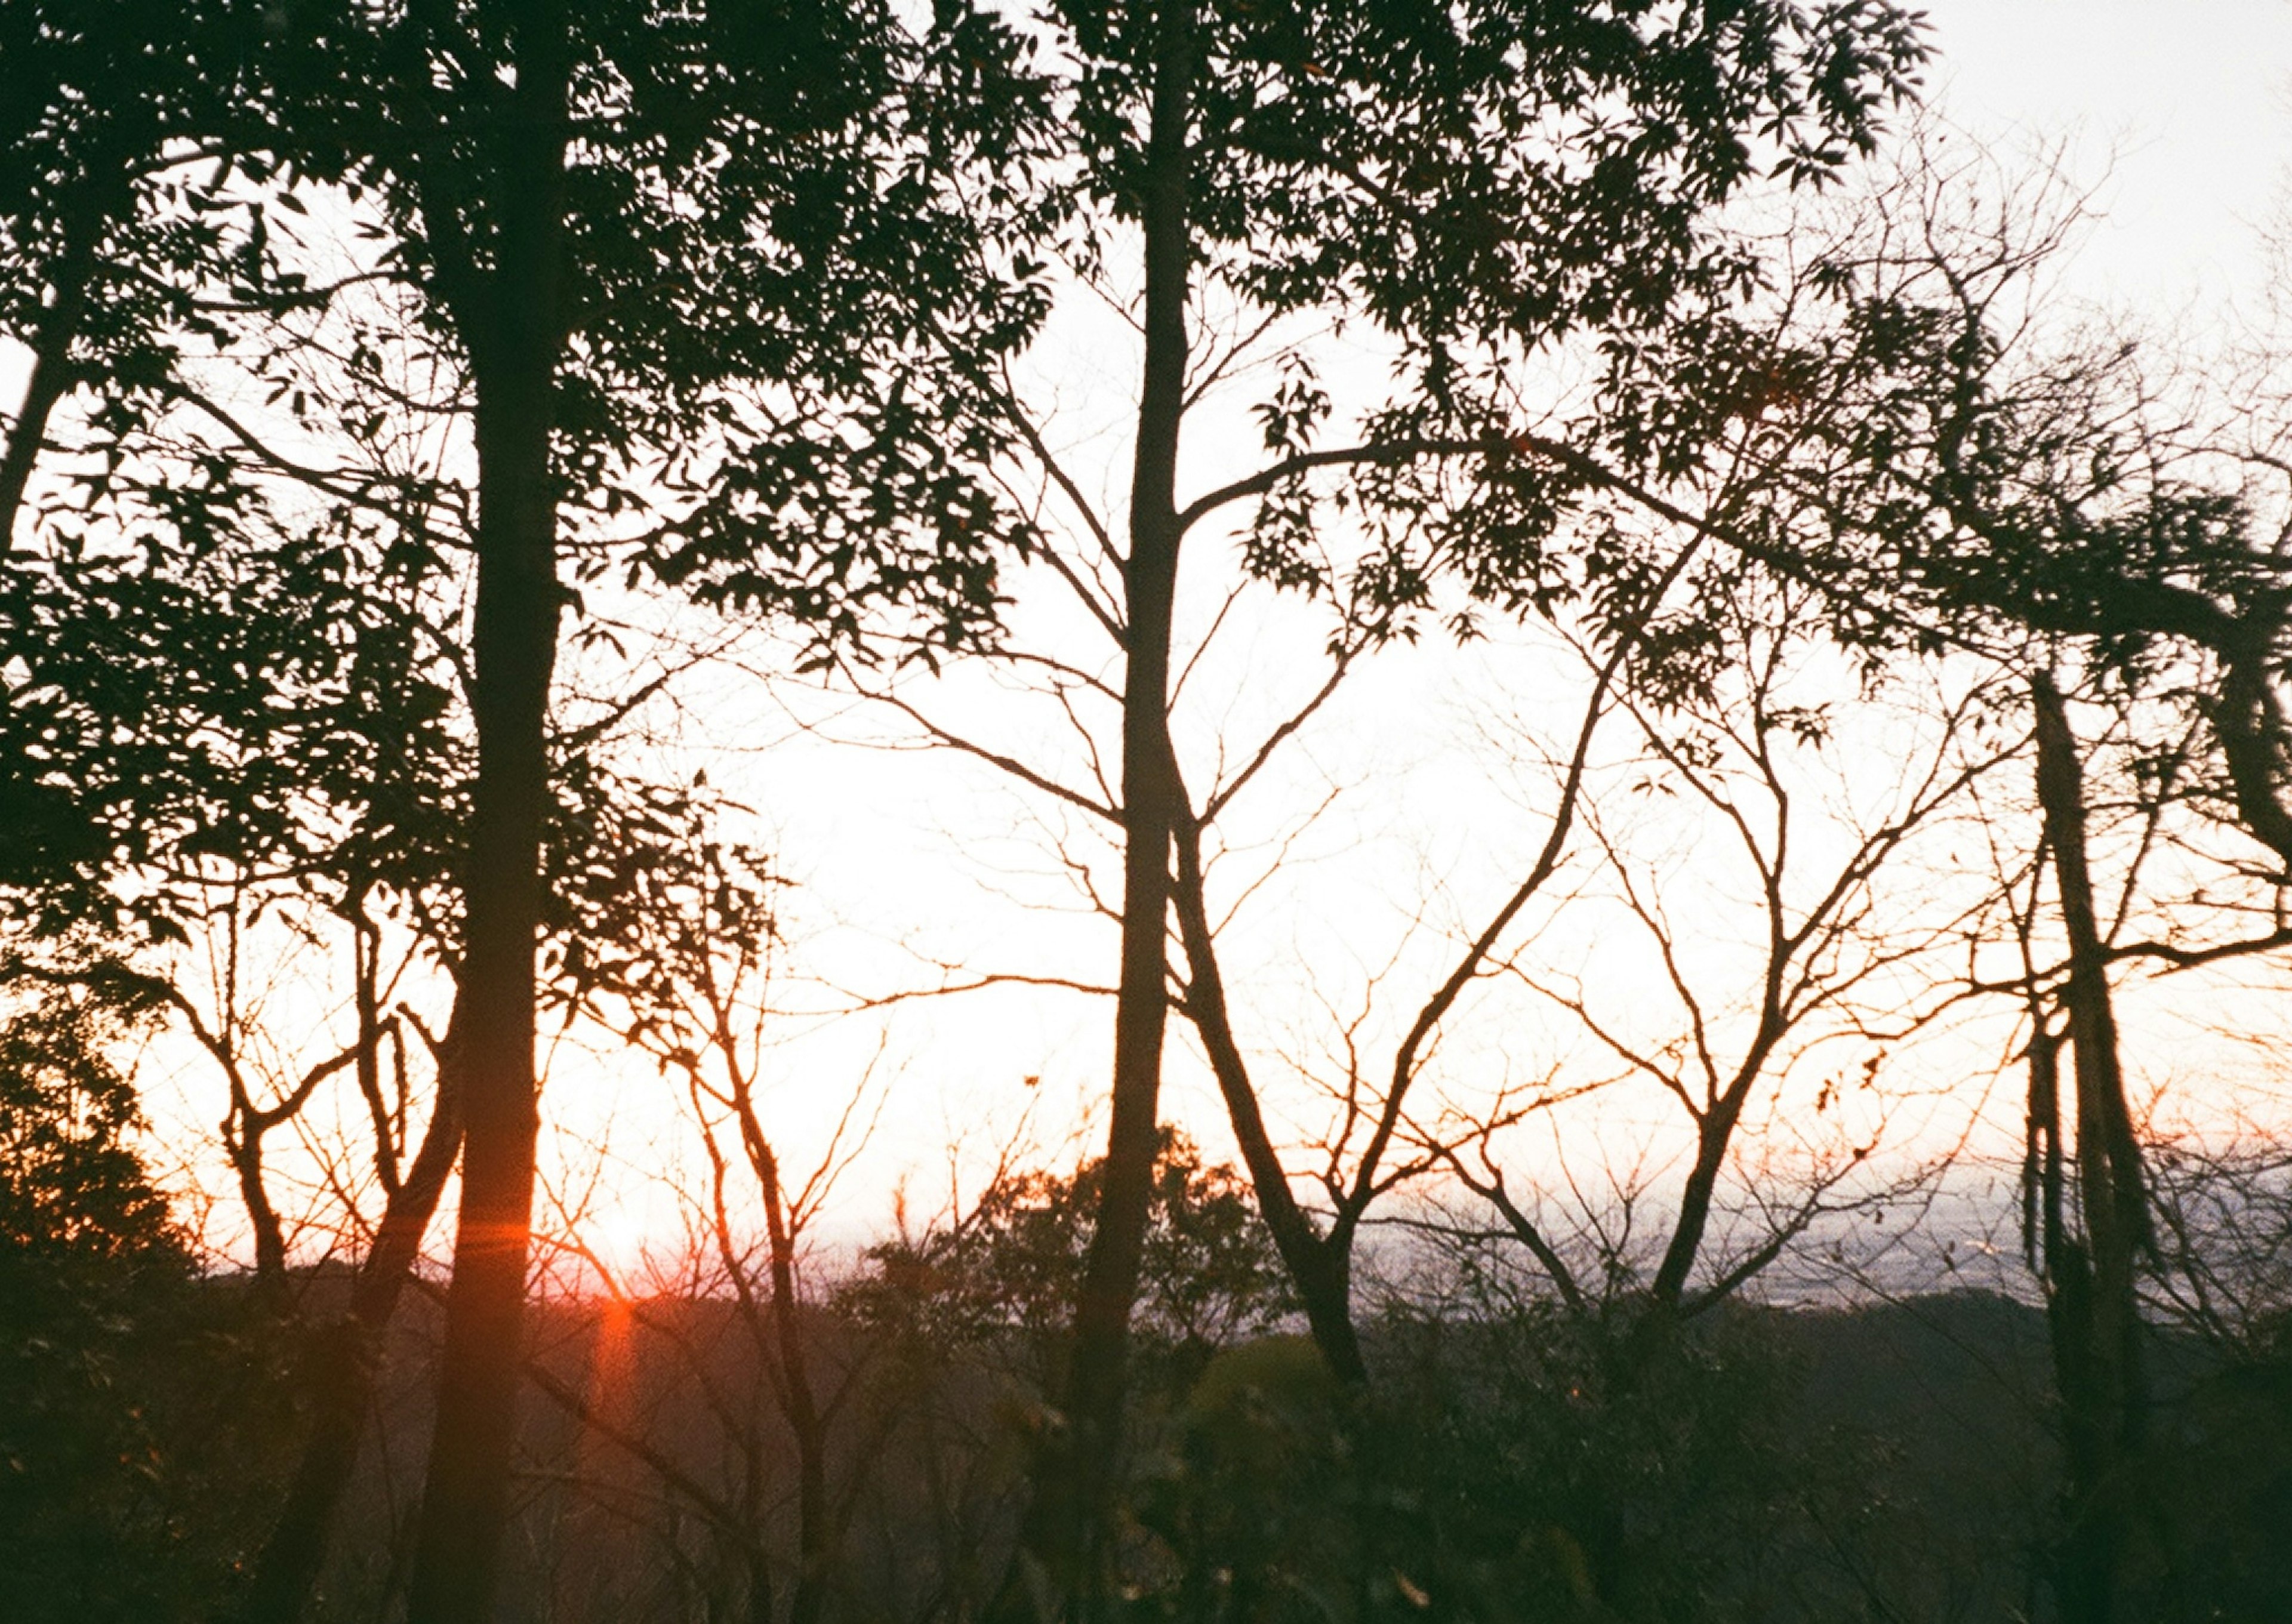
x,y
509,316
1079,1468
2093,1307
287,1572
465,1495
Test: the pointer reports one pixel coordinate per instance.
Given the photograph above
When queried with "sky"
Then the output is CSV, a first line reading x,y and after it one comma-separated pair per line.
x,y
2180,111
2175,118
2176,115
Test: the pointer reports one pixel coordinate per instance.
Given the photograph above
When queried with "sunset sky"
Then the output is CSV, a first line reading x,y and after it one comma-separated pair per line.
x,y
2177,119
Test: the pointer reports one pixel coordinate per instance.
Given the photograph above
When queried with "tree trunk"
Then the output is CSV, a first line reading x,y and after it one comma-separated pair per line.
x,y
1079,1468
508,314
287,1572
800,1403
2092,1308
1320,1266
1714,1132
242,1138
2249,721
51,381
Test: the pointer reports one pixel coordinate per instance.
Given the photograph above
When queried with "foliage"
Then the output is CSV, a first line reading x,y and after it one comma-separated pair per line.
x,y
1009,1265
2219,1476
114,117
1953,472
1526,1464
72,1185
1614,1469
315,744
786,251
756,239
1475,187
134,1426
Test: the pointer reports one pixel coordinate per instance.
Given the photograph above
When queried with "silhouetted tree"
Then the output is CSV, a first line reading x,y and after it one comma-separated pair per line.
x,y
1470,186
681,255
92,1277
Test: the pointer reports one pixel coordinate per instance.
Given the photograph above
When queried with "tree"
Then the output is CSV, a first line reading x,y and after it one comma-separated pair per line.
x,y
1779,1035
1469,186
1971,480
690,986
681,255
2093,1299
115,157
132,238
288,791
2090,1226
74,1182
1967,475
92,1266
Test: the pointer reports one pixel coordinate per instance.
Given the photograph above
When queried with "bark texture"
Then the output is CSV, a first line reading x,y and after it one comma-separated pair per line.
x,y
2093,1309
508,310
1061,1560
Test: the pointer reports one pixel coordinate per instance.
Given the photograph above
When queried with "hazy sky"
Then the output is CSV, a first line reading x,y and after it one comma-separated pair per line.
x,y
2177,112
2191,98
2177,115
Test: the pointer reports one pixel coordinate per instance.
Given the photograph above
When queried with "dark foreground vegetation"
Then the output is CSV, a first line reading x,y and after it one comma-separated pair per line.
x,y
1511,1461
